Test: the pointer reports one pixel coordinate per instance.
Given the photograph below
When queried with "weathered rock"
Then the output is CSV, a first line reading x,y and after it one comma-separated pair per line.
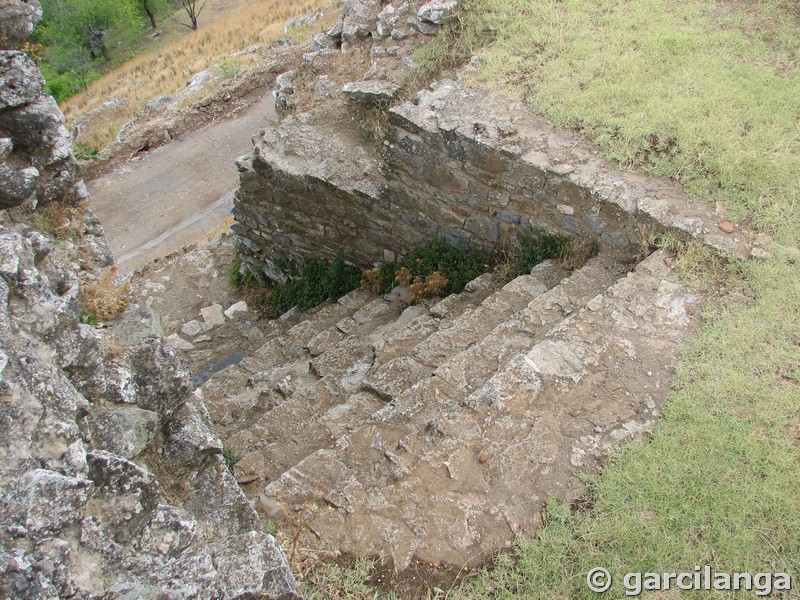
x,y
236,309
161,382
16,185
178,343
284,93
358,17
17,20
20,80
190,438
36,123
373,93
87,523
45,503
213,315
126,495
390,18
123,431
135,325
436,12
195,327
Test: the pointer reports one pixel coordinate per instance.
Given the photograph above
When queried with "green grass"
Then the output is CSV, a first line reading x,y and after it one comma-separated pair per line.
x,y
708,95
690,90
231,457
718,483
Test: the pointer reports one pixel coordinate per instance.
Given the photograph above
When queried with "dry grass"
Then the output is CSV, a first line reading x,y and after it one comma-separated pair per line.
x,y
104,299
171,65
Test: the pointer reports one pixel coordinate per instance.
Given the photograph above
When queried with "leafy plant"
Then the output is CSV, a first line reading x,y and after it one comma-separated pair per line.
x,y
319,280
433,270
238,276
88,318
83,151
538,246
231,457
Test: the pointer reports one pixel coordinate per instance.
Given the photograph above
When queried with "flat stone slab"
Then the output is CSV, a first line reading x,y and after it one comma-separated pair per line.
x,y
374,92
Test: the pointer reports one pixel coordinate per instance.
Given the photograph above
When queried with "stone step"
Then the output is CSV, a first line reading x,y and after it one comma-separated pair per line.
x,y
415,352
474,323
321,412
442,476
394,378
473,366
438,316
333,405
239,393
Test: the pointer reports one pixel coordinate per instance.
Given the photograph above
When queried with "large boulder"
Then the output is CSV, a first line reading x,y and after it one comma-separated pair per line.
x,y
17,20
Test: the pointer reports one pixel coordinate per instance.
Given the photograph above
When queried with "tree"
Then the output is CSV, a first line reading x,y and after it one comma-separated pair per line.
x,y
149,13
71,24
151,8
190,6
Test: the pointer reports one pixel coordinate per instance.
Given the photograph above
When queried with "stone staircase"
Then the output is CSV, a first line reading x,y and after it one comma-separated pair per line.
x,y
440,429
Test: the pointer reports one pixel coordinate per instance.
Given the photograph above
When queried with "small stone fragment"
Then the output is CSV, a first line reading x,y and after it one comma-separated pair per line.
x,y
178,343
235,309
194,328
213,315
727,227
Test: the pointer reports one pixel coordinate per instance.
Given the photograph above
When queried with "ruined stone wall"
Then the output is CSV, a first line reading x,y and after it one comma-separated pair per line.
x,y
459,163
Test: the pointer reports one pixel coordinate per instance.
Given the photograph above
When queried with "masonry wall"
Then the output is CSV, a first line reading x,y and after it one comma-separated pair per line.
x,y
460,163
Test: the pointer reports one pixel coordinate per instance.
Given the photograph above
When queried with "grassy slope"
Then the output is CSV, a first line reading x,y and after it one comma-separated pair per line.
x,y
168,63
707,94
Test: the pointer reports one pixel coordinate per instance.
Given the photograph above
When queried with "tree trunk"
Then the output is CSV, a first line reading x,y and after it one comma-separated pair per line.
x,y
150,14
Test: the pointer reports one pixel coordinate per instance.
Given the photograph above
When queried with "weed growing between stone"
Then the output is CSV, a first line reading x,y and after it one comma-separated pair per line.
x,y
434,270
318,280
231,457
104,299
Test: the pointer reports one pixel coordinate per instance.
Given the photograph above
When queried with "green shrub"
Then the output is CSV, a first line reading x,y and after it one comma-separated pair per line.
x,y
84,151
538,246
319,280
231,457
458,265
239,277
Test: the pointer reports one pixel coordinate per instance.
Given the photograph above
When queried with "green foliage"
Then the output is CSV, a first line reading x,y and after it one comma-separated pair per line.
x,y
537,246
333,581
724,123
462,35
74,34
231,457
458,265
88,318
238,276
84,151
319,280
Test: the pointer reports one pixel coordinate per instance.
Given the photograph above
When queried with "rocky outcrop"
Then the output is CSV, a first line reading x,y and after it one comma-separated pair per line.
x,y
113,479
112,483
37,162
17,20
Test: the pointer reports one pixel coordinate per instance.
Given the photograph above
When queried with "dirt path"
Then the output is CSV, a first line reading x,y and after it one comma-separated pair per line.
x,y
177,194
